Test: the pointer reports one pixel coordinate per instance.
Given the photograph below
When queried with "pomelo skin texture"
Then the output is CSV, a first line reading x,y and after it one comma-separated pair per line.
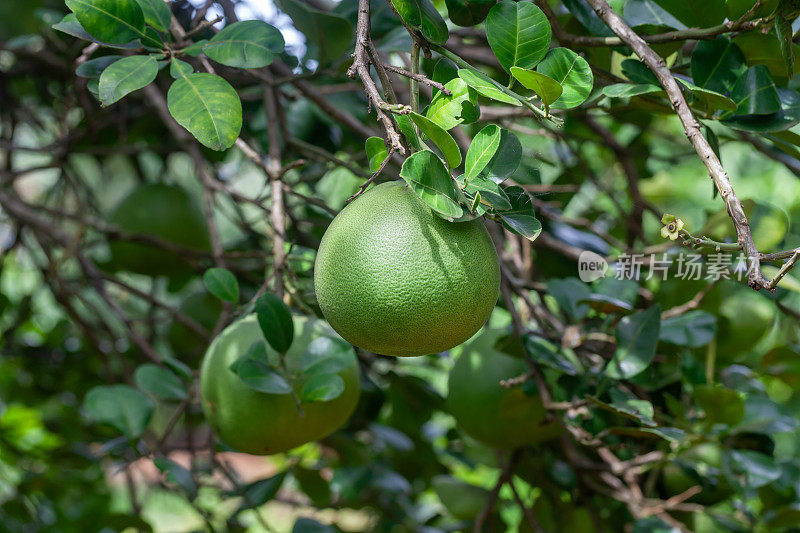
x,y
494,415
259,423
163,211
393,278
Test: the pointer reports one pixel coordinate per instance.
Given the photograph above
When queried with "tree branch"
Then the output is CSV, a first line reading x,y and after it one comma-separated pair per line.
x,y
361,68
691,126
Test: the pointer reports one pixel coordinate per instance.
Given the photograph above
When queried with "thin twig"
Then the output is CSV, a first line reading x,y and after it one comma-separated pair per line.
x,y
371,178
491,500
787,266
421,78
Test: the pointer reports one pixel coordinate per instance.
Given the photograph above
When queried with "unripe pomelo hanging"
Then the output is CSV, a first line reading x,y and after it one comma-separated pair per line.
x,y
393,278
163,211
498,416
256,422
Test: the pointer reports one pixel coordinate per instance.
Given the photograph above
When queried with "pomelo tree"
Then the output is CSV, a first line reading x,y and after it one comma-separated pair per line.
x,y
233,233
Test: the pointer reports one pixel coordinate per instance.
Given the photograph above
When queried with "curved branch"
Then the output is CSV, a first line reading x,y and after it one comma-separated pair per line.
x,y
691,126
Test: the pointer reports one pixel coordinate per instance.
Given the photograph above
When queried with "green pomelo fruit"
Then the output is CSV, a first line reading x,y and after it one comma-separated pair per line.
x,y
163,211
393,278
259,423
745,317
487,411
202,307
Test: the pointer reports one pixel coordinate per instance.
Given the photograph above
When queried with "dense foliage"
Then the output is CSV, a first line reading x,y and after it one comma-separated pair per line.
x,y
169,167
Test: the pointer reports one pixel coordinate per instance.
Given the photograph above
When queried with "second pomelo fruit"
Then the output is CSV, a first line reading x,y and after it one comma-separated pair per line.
x,y
163,211
202,307
259,423
498,416
393,278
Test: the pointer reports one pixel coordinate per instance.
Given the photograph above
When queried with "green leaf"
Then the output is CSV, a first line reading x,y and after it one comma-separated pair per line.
x,y
543,85
245,44
506,159
469,112
603,303
712,101
445,110
159,382
423,16
783,29
178,475
309,525
635,408
637,336
587,17
785,118
260,492
443,71
486,86
669,434
489,191
109,21
179,367
627,90
259,376
717,64
125,76
737,8
628,407
693,329
481,150
428,177
156,13
94,67
376,152
518,34
721,405
696,13
546,353
222,284
468,12
70,25
208,107
408,130
440,137
326,355
572,72
196,49
120,406
313,485
322,388
179,69
328,36
757,468
647,13
476,203
275,321
520,218
755,92
570,293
